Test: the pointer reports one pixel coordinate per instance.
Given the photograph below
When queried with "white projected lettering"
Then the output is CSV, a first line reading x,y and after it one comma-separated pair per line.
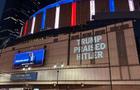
x,y
89,48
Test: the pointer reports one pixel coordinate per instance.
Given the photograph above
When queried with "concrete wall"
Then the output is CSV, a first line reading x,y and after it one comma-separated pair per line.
x,y
120,57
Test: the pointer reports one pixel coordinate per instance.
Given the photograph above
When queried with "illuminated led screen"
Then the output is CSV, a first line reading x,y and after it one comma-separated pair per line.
x,y
34,57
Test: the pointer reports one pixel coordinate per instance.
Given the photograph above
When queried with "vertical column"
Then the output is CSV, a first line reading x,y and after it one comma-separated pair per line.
x,y
57,17
43,20
73,16
33,25
131,5
112,5
25,28
92,8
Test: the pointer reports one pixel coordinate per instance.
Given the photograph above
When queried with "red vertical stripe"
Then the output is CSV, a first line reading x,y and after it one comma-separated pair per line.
x,y
73,16
25,28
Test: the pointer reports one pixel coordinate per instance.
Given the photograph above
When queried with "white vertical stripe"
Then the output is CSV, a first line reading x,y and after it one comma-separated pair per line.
x,y
33,25
131,5
57,14
92,8
21,31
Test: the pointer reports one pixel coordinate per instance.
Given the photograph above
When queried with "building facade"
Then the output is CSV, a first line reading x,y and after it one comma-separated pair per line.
x,y
63,46
97,58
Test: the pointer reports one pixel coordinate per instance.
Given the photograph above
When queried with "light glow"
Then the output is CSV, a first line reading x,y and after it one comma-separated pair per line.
x,y
92,9
43,20
131,5
55,66
23,69
112,5
62,65
21,31
57,17
73,16
33,25
29,68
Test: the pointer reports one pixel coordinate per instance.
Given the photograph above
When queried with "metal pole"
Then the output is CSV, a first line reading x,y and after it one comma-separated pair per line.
x,y
111,87
57,75
57,86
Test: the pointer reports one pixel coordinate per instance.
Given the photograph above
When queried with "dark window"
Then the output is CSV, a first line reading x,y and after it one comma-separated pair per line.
x,y
55,40
75,37
86,35
100,32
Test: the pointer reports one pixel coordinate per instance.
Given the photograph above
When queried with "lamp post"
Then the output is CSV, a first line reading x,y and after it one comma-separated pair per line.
x,y
26,68
58,67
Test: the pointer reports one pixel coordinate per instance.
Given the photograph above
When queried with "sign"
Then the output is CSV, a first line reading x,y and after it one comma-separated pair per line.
x,y
35,57
89,48
30,76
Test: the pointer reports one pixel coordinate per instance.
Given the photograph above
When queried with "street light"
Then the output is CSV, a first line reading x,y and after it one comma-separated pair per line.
x,y
62,65
58,67
26,68
54,66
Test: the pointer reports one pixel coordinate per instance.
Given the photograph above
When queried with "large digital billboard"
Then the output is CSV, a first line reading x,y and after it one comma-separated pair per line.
x,y
34,57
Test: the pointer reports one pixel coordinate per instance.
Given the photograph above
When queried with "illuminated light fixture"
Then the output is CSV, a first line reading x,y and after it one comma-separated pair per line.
x,y
57,14
21,31
92,9
62,65
43,20
29,68
23,69
112,5
131,5
55,66
33,25
73,16
25,28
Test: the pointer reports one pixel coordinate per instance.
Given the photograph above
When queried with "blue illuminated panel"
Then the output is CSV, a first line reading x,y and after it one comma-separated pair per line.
x,y
35,57
43,20
112,5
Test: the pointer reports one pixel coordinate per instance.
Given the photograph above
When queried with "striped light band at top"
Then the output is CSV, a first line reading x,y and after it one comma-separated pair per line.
x,y
73,15
60,2
92,8
57,17
49,7
112,5
131,5
33,25
25,28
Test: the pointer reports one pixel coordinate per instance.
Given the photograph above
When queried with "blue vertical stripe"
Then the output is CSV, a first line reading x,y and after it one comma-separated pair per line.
x,y
43,20
112,5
